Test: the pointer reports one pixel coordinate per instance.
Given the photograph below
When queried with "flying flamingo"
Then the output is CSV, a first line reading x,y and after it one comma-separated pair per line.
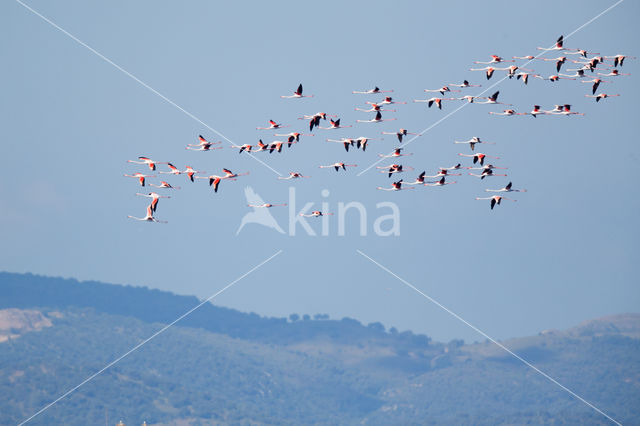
x,y
297,94
377,119
489,70
465,83
619,59
277,146
294,135
486,172
272,125
203,141
244,147
579,74
396,153
495,59
442,90
154,199
442,173
361,142
374,108
470,99
316,213
437,101
393,168
614,73
164,184
261,146
419,180
581,52
494,200
507,188
525,76
214,180
149,217
334,125
537,111
148,161
511,71
559,61
456,167
388,100
508,112
208,146
441,182
338,165
141,178
266,205
558,46
345,141
601,96
554,78
174,170
229,174
372,91
566,110
293,175
493,100
190,172
478,157
314,120
529,57
395,186
473,141
487,167
400,133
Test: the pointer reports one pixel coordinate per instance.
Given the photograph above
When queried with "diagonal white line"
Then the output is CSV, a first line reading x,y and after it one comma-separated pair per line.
x,y
493,85
139,345
136,79
518,357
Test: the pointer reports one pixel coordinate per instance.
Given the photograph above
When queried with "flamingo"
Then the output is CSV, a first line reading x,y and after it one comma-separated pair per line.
x,y
486,172
473,141
396,153
377,119
372,91
559,61
244,147
316,213
314,120
149,217
507,188
441,182
579,74
511,71
494,200
487,167
442,173
395,186
337,166
478,157
470,99
613,73
537,111
148,161
419,180
272,125
489,70
334,125
345,141
508,112
214,180
554,78
442,90
361,142
529,57
190,172
174,170
208,146
465,83
293,175
495,59
566,110
261,146
154,199
581,52
294,135
388,100
493,99
400,133
601,96
277,146
437,101
374,108
164,184
203,141
525,76
456,167
228,174
619,59
558,45
297,94
393,168
266,205
141,177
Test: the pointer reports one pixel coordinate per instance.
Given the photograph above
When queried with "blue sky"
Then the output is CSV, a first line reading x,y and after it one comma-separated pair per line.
x,y
564,253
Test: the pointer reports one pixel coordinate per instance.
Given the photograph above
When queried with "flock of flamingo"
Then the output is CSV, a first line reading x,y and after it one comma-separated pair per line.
x,y
585,71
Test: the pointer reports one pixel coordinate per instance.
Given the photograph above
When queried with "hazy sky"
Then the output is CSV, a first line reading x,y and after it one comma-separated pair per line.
x,y
564,253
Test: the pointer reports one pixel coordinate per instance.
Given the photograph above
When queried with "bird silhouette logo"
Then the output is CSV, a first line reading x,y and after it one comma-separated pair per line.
x,y
261,216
